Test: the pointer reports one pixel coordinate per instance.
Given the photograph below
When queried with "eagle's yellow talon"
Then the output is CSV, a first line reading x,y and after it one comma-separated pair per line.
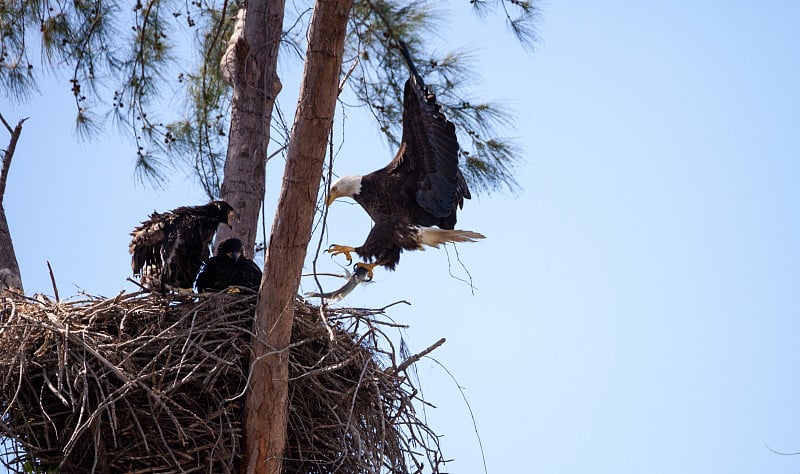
x,y
368,267
233,291
341,249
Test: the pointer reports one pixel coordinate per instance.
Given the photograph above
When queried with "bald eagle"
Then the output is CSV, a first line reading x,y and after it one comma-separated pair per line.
x,y
168,248
420,188
228,268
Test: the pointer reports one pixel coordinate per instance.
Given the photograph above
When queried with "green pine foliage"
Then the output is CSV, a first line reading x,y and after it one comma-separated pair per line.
x,y
379,26
199,139
121,57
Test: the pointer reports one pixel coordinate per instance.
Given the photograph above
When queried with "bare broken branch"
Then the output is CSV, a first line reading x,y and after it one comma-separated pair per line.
x,y
9,153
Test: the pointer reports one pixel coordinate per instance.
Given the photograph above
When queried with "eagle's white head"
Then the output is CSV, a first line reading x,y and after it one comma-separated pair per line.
x,y
346,186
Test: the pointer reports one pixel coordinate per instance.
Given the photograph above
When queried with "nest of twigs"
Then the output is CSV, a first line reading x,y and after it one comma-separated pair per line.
x,y
145,383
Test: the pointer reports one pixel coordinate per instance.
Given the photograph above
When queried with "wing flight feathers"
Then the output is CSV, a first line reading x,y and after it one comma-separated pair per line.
x,y
146,243
431,151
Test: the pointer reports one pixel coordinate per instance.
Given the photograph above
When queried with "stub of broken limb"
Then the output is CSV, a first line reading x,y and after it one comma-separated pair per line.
x,y
360,275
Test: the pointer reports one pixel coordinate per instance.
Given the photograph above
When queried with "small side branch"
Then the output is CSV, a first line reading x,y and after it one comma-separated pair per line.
x,y
413,359
53,281
9,152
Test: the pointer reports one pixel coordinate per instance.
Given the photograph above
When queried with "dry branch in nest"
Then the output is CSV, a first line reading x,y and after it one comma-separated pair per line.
x,y
143,383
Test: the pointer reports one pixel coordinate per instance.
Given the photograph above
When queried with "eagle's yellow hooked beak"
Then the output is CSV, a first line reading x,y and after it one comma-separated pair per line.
x,y
332,197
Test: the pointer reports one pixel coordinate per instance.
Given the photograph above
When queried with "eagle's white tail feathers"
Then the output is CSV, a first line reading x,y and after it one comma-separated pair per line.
x,y
434,237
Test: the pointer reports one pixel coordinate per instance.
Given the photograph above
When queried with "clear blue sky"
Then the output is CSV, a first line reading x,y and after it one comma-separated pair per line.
x,y
637,302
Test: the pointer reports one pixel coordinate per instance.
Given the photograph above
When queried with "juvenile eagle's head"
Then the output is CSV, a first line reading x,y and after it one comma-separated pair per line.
x,y
346,186
231,247
225,213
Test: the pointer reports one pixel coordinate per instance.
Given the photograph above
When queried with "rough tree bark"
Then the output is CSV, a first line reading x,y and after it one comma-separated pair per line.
x,y
9,268
249,65
266,408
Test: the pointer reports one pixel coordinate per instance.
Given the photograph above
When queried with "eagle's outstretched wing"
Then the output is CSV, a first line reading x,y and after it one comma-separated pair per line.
x,y
145,247
428,153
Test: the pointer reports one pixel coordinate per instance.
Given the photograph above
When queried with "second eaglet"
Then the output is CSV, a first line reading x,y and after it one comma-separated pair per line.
x,y
229,268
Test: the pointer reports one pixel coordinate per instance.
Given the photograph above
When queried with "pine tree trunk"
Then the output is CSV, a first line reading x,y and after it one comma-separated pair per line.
x,y
266,408
9,268
250,65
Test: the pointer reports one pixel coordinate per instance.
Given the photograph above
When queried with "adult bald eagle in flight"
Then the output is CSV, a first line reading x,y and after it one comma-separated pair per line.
x,y
420,188
168,248
228,268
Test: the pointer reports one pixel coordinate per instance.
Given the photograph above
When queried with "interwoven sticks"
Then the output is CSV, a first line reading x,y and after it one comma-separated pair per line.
x,y
143,383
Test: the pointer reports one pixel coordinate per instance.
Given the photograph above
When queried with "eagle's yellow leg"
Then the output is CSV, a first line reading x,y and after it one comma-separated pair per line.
x,y
341,249
368,267
232,290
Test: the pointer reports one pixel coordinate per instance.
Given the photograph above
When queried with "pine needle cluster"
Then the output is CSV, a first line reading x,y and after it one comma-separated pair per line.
x,y
125,57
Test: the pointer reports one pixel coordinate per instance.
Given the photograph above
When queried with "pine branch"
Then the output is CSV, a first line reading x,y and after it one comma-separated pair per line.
x,y
381,30
82,38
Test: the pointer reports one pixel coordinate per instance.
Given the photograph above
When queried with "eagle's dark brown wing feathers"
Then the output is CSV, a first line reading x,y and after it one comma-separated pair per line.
x,y
146,243
430,152
171,246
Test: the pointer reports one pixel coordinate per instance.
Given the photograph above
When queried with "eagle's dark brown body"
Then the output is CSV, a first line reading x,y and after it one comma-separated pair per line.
x,y
169,248
228,268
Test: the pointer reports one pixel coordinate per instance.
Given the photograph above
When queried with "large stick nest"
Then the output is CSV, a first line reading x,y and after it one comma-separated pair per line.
x,y
143,383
